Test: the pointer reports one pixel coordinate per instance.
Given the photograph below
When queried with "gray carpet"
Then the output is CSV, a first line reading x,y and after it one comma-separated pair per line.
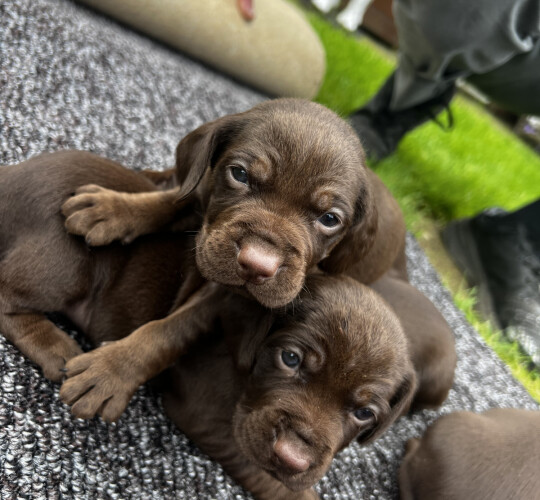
x,y
71,79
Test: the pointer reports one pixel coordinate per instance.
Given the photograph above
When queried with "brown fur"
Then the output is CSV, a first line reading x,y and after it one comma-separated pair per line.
x,y
112,291
302,161
108,292
240,403
431,342
494,455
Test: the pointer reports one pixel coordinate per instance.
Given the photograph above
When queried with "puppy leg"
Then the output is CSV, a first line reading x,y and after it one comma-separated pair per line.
x,y
103,381
103,215
39,274
162,179
40,340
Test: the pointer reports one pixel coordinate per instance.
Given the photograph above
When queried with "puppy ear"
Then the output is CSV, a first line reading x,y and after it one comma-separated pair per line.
x,y
250,343
246,325
360,237
399,404
200,149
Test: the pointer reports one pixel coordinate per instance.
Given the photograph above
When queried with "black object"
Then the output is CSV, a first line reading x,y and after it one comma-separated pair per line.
x,y
380,129
496,256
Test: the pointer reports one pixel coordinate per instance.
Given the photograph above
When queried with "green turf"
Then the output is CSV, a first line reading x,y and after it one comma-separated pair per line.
x,y
478,164
438,175
510,352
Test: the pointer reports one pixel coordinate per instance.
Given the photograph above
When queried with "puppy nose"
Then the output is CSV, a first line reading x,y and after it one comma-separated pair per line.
x,y
257,263
291,456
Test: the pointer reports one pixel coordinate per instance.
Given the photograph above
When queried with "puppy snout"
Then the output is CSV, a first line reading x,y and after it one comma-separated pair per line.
x,y
292,455
257,263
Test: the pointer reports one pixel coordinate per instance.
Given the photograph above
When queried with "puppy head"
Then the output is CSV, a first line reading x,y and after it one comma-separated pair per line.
x,y
284,187
337,370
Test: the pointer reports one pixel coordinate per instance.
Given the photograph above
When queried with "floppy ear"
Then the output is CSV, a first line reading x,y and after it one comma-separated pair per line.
x,y
360,237
200,149
249,340
245,325
399,404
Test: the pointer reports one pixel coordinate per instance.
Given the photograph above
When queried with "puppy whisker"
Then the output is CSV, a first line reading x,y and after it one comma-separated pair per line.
x,y
307,290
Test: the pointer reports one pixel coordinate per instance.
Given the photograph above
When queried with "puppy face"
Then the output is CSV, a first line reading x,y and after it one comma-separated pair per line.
x,y
339,370
286,184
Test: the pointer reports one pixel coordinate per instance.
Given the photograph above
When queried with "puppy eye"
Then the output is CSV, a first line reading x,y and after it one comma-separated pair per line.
x,y
364,414
290,359
329,220
239,174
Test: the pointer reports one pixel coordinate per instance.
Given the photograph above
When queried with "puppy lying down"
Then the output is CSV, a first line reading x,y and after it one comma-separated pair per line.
x,y
345,351
276,395
272,193
346,372
491,456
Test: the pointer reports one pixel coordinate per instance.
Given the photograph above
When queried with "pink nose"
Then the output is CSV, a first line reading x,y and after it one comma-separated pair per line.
x,y
257,263
291,456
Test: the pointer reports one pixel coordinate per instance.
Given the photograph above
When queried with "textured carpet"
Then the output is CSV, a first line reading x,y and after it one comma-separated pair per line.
x,y
72,79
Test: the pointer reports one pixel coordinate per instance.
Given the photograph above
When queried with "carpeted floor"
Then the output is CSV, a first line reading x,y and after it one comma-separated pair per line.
x,y
70,78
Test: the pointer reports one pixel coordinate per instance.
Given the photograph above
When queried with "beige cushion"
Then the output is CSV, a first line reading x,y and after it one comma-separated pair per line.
x,y
278,52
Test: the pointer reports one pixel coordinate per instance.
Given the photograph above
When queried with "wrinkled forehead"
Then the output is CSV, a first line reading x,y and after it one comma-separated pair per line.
x,y
290,141
361,361
349,324
286,147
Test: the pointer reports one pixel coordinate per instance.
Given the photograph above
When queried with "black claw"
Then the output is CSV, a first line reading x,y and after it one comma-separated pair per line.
x,y
63,370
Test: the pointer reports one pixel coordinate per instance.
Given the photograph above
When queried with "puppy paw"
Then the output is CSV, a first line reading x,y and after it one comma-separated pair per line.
x,y
100,382
53,366
100,215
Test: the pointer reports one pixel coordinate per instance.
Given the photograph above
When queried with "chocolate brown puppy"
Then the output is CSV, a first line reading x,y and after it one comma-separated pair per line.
x,y
491,456
431,341
282,188
108,292
275,395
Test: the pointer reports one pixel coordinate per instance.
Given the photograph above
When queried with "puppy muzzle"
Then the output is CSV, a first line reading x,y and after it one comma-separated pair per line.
x,y
271,265
286,448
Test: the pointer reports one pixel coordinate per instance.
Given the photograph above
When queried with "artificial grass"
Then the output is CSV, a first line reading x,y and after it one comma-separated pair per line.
x,y
478,164
510,352
435,175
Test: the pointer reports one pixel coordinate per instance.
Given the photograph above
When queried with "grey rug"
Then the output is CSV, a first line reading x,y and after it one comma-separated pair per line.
x,y
70,78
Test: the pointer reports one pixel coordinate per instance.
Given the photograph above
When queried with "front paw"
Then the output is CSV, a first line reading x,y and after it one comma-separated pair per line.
x,y
55,359
100,382
100,215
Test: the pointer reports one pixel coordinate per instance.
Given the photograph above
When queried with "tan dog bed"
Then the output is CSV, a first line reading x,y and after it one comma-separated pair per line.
x,y
277,52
